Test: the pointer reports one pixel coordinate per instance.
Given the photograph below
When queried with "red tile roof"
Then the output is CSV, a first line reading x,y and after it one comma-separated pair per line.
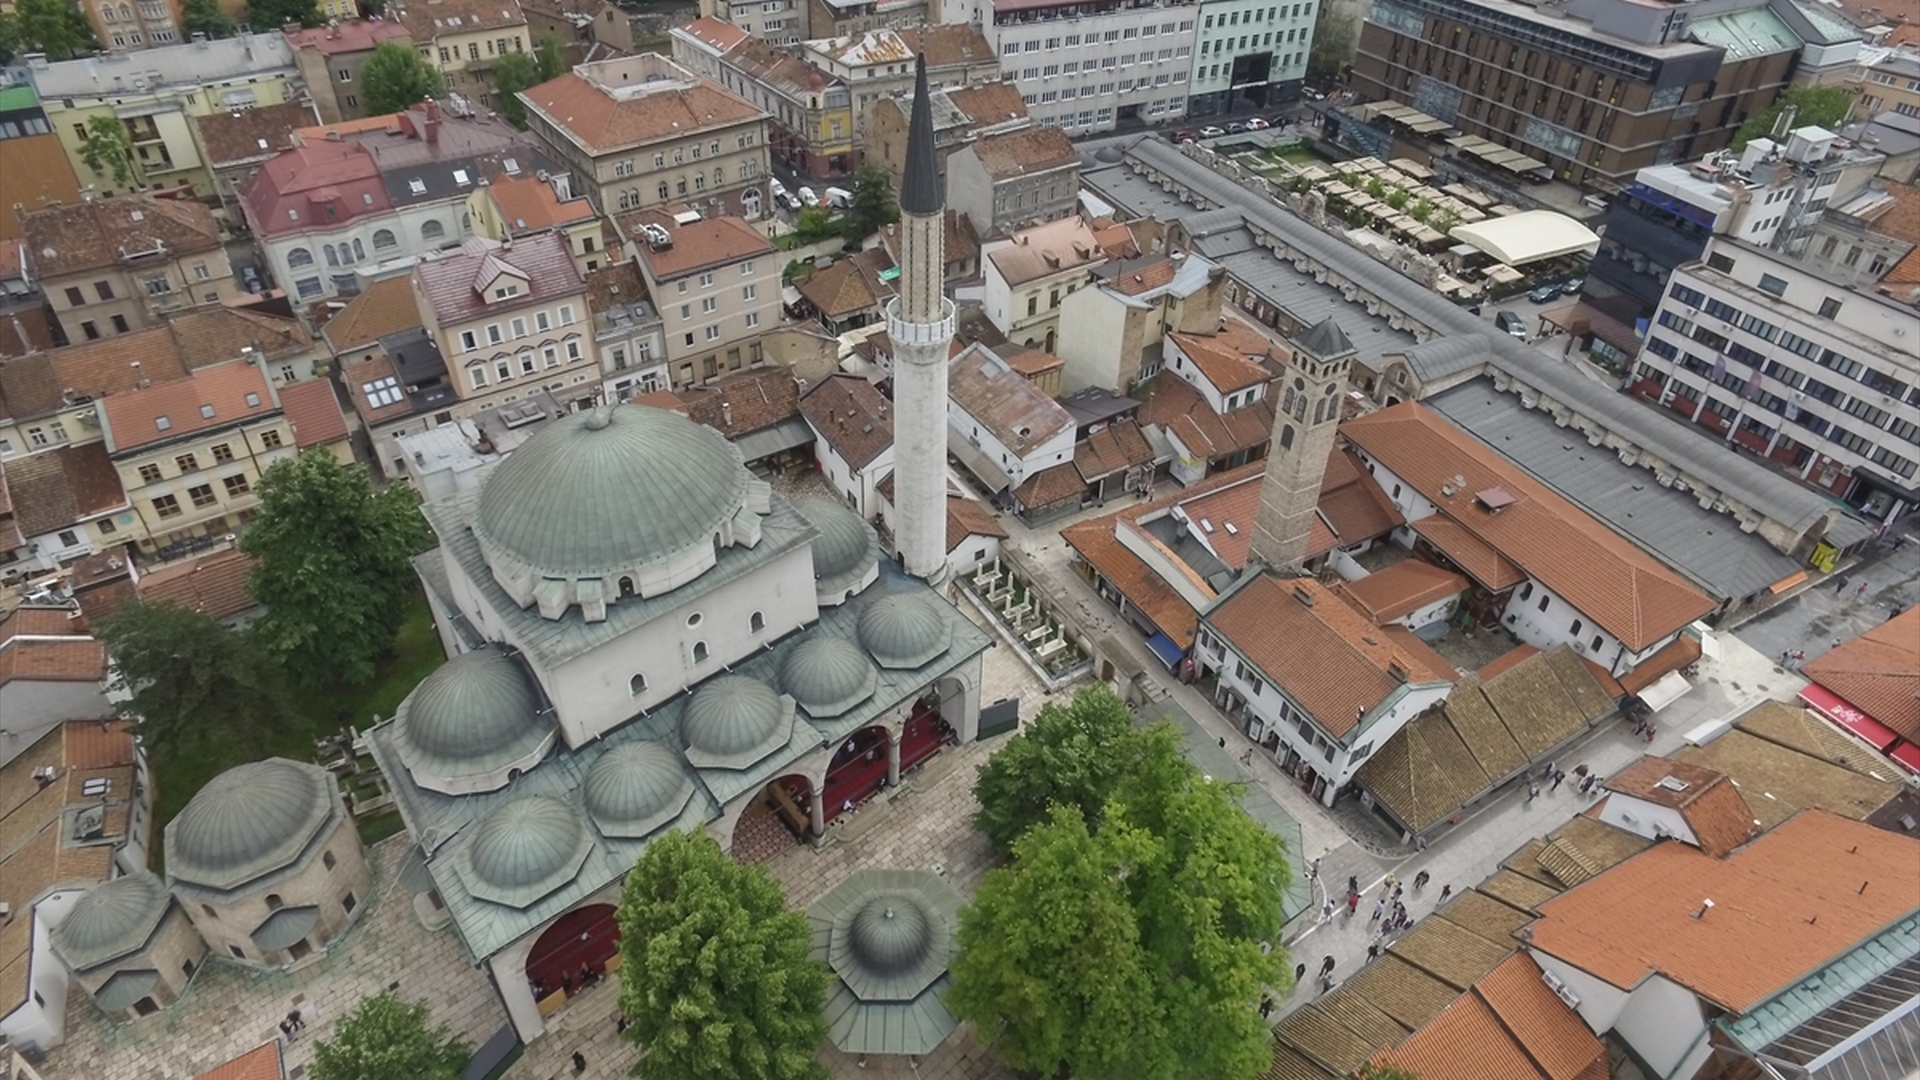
x,y
1353,505
966,517
602,124
98,744
1322,652
852,415
1402,589
714,33
255,134
261,1063
1120,445
1509,1026
1223,519
1180,410
314,413
1878,673
1707,800
46,645
1019,414
354,35
55,489
744,402
1050,487
385,307
1469,552
1227,359
529,204
428,19
213,585
211,398
101,233
703,245
1022,153
1784,905
290,193
850,286
1602,574
453,284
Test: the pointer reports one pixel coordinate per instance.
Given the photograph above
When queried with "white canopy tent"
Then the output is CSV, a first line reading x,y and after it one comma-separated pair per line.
x,y
1528,236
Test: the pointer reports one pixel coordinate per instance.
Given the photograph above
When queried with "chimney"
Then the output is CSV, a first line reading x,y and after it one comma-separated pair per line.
x,y
433,122
1303,595
139,379
726,414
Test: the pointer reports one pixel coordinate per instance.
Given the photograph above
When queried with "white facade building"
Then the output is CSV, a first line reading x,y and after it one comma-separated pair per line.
x,y
1249,54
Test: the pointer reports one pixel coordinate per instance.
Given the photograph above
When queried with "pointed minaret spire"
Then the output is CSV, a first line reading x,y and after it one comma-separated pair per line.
x,y
920,192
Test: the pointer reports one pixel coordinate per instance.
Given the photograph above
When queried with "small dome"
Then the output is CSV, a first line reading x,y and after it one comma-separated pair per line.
x,y
845,544
632,787
905,630
890,934
474,713
609,490
730,715
1109,155
827,675
111,920
249,820
525,850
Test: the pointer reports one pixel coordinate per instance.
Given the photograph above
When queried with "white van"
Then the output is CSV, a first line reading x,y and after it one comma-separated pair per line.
x,y
780,196
808,198
839,198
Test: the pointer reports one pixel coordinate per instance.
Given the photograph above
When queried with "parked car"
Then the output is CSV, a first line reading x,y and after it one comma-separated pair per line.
x,y
1183,135
1257,124
808,198
1512,324
839,198
1543,293
1211,132
781,197
1235,127
1573,286
1311,94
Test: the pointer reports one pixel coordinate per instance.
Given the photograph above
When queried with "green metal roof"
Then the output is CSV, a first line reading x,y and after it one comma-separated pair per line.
x,y
1746,33
828,675
126,988
524,850
1781,1014
888,935
249,821
112,920
847,547
17,97
284,927
475,714
599,492
733,721
904,630
635,789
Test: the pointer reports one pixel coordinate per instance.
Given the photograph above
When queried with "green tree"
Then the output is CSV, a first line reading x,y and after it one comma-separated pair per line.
x,y
1134,947
716,977
396,77
513,73
550,56
193,682
814,223
1443,221
9,36
335,563
1397,198
205,17
1070,755
389,1039
873,204
1333,43
107,148
1821,106
54,27
273,14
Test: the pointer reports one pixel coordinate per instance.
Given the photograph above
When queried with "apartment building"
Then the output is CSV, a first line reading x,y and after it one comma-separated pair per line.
x,y
1123,320
629,332
960,115
509,318
523,205
112,266
1083,65
781,22
580,20
716,284
838,18
331,57
464,38
153,92
1031,274
810,119
1815,376
125,25
877,64
1598,89
1012,181
640,132
34,168
1249,54
1891,82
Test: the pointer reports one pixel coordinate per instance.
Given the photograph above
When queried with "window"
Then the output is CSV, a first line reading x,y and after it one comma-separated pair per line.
x,y
187,463
150,474
1545,599
270,439
105,289
75,297
748,292
431,229
348,903
299,257
494,337
699,652
753,319
1597,642
713,333
1773,285
1829,308
468,342
237,485
89,329
566,314
1575,629
383,239
223,452
519,326
638,684
708,305
756,622
202,495
166,506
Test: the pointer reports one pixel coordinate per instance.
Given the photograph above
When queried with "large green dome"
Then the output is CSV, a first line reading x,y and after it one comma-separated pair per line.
x,y
604,491
845,544
634,787
890,934
248,821
476,714
111,920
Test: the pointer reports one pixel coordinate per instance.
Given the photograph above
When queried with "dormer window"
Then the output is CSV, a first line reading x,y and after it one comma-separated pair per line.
x,y
417,186
460,177
505,291
162,423
206,412
253,401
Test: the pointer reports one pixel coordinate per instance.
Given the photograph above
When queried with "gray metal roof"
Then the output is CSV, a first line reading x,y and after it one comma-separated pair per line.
x,y
1325,340
847,546
1444,357
473,715
609,490
284,927
440,822
733,721
636,788
904,630
524,850
1768,492
1707,547
112,920
888,935
126,988
193,64
828,675
250,821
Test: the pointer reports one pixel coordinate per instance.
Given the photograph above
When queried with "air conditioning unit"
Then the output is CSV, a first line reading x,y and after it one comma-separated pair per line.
x,y
1568,996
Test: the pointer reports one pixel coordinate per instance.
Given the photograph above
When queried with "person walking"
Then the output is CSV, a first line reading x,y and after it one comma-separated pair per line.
x,y
1861,591
1353,885
1445,891
1326,911
579,1063
1547,773
1373,951
1353,904
1420,880
1313,872
1266,1006
294,1019
1840,584
1299,974
286,1030
1533,792
1559,777
1379,909
1799,657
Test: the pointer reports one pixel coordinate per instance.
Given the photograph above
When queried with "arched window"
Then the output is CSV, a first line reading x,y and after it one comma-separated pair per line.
x,y
333,259
106,12
274,902
126,13
299,257
699,652
757,622
383,239
431,229
358,251
1286,437
637,685
626,586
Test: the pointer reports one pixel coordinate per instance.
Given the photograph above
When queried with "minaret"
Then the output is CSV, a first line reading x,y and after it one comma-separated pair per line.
x,y
920,322
1303,428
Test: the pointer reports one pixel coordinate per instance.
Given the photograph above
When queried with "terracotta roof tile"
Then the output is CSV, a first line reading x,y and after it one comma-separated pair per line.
x,y
1050,487
852,415
1485,734
1023,153
1878,673
71,660
947,44
34,385
966,517
718,34
214,335
1450,952
426,21
452,284
353,35
1402,589
1033,363
1119,445
385,307
24,332
578,107
34,171
103,744
314,412
1180,410
1552,1034
849,286
986,104
261,1063
1511,1026
1602,574
1709,802
1019,414
1784,905
358,375
1354,506
1424,773
1230,512
1675,655
1466,1042
1783,781
529,204
1323,1039
702,245
55,489
1470,553
78,237
41,621
1133,280
615,285
213,585
209,399
744,402
1326,657
1223,360
1044,250
258,133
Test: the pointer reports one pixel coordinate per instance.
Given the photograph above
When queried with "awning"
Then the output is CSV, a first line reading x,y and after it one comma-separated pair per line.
x,y
1165,648
1829,704
1786,583
785,435
1665,690
979,464
1907,756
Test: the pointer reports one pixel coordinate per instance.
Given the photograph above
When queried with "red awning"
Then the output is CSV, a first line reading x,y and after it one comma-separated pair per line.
x,y
1907,756
1828,704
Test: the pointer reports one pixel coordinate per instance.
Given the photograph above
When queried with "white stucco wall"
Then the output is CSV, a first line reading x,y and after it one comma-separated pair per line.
x,y
1600,1001
1017,464
1434,612
1092,328
974,551
1643,818
42,1020
1663,1023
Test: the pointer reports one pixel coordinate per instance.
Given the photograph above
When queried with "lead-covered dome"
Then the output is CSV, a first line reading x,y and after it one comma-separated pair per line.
x,y
827,675
890,934
733,721
905,630
112,920
472,722
524,850
845,543
635,788
250,820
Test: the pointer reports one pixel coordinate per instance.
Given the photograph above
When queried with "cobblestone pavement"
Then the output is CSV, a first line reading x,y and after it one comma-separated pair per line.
x,y
925,824
228,1010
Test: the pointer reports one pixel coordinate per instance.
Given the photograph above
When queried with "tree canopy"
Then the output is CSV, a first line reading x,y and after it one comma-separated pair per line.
x,y
385,1038
1821,106
716,980
1134,944
513,73
550,57
107,148
1069,754
192,680
54,27
396,77
335,563
873,203
205,17
271,15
